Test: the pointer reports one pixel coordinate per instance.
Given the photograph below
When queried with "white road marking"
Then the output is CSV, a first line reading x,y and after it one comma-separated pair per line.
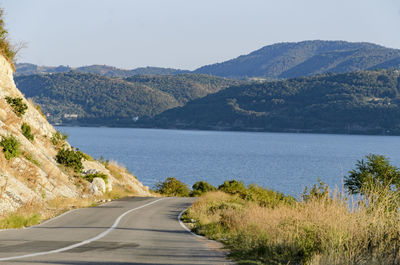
x,y
185,227
115,224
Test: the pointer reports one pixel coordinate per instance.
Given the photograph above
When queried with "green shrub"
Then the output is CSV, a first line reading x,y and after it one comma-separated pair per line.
x,y
317,192
58,139
267,198
91,176
26,131
201,187
70,158
234,187
172,187
10,146
17,105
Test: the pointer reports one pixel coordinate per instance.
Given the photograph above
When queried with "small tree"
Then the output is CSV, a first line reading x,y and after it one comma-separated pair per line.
x,y
172,187
374,172
201,187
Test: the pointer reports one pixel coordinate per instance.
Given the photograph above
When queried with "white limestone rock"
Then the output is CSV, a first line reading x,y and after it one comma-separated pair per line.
x,y
100,184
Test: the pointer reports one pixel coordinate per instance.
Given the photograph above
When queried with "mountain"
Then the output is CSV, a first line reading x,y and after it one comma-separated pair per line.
x,y
85,98
32,69
295,59
358,102
277,61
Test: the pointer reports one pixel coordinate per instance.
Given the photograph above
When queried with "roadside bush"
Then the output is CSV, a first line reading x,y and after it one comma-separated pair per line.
x,y
17,105
201,187
267,198
10,146
58,139
70,158
318,191
234,187
172,187
91,176
311,232
26,131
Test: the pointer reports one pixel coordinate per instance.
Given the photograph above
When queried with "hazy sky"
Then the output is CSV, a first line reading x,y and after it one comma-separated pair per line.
x,y
187,34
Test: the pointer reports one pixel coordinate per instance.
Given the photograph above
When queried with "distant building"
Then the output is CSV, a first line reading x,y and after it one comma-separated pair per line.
x,y
135,119
70,116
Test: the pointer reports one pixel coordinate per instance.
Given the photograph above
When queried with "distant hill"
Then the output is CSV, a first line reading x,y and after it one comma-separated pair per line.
x,y
288,60
359,102
32,69
84,98
184,87
277,61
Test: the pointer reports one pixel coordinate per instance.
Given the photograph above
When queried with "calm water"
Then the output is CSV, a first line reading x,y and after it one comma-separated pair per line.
x,y
281,161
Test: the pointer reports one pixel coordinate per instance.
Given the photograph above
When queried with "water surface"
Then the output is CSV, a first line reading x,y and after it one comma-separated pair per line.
x,y
281,161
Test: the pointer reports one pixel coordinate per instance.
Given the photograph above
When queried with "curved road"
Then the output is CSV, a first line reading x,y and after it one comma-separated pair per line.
x,y
128,231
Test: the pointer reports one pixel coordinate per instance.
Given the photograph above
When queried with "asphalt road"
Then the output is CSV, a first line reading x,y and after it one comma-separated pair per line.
x,y
127,231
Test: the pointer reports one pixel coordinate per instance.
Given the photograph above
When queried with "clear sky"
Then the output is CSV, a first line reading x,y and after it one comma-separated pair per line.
x,y
186,34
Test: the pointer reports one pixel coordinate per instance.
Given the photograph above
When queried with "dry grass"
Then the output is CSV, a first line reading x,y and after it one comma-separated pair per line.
x,y
26,215
312,232
117,170
31,102
33,213
118,192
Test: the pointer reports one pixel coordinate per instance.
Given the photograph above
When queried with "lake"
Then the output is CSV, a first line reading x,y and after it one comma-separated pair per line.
x,y
281,161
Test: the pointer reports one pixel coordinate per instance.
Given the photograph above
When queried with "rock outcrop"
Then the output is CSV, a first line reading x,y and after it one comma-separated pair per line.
x,y
35,175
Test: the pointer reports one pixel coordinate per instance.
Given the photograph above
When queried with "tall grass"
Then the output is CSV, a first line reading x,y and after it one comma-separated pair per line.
x,y
319,230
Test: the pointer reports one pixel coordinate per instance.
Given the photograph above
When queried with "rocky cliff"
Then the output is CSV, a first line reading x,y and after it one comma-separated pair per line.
x,y
34,175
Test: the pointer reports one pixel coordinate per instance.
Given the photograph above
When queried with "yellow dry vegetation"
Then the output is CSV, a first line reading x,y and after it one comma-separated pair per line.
x,y
328,230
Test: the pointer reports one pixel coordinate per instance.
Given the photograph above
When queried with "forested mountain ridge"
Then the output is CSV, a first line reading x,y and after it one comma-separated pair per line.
x,y
184,87
358,102
295,59
110,71
276,61
87,98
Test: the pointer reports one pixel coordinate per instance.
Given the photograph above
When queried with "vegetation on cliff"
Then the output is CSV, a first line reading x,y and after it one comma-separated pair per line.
x,y
6,48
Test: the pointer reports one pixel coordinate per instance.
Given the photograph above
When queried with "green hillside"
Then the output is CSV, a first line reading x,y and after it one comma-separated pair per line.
x,y
100,100
110,71
288,60
184,87
359,102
